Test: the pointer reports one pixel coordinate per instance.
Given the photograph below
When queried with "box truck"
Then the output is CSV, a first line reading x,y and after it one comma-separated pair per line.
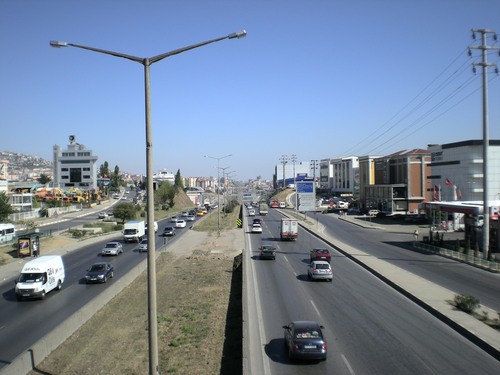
x,y
39,276
134,231
289,229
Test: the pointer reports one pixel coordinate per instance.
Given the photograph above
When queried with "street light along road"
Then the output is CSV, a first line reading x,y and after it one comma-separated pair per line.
x,y
218,188
147,62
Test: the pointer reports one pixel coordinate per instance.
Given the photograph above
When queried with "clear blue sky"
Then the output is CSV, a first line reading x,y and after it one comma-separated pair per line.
x,y
319,79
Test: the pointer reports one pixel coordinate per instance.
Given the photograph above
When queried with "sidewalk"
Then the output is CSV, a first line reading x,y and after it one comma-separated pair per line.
x,y
426,294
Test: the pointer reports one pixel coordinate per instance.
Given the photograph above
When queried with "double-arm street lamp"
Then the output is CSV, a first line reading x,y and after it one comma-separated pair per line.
x,y
218,188
147,62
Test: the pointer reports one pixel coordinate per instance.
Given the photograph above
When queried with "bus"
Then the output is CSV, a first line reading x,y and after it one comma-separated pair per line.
x,y
7,232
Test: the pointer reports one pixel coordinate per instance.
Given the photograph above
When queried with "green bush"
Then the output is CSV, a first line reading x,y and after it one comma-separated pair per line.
x,y
466,303
76,233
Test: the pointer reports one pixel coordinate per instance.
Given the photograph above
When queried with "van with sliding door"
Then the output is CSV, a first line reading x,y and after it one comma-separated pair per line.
x,y
39,276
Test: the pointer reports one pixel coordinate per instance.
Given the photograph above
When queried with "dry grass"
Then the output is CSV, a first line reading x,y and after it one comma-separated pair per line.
x,y
193,293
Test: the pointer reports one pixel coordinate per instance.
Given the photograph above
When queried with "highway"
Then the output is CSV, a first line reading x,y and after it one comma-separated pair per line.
x,y
24,323
370,328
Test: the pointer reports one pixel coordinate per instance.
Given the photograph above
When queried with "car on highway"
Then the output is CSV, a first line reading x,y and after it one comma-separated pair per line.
x,y
267,252
184,214
200,213
190,218
99,273
304,340
143,246
256,228
102,215
112,248
256,221
174,219
251,212
321,254
320,270
168,231
180,224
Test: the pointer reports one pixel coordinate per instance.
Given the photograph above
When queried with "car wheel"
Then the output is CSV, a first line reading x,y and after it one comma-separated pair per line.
x,y
59,285
112,275
290,355
43,295
105,279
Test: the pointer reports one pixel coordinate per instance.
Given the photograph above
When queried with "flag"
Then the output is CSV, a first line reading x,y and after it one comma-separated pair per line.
x,y
459,193
448,182
436,195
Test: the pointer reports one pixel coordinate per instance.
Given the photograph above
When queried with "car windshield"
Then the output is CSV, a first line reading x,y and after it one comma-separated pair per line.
x,y
97,267
30,277
111,245
321,251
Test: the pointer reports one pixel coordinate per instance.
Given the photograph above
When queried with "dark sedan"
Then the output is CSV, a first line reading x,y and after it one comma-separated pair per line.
x,y
168,231
99,273
304,340
267,252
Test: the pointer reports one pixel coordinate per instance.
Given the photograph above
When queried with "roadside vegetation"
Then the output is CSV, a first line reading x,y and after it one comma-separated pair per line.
x,y
470,304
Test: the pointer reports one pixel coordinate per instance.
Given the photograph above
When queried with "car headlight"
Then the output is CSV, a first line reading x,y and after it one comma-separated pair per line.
x,y
101,276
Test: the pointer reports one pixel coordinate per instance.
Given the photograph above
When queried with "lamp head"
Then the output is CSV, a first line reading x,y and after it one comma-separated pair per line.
x,y
58,44
238,35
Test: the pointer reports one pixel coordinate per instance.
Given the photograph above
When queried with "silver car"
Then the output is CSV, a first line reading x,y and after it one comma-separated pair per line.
x,y
112,248
320,270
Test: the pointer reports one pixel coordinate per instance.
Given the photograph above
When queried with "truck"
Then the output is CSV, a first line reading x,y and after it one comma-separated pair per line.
x,y
39,276
263,209
289,229
134,231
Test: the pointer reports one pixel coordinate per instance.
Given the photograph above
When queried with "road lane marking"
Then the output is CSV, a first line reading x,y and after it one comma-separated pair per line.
x,y
351,371
315,308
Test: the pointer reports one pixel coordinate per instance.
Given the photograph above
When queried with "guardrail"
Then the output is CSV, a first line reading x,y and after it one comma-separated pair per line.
x,y
460,256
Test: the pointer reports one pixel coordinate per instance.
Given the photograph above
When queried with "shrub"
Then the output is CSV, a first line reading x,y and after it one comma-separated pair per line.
x,y
466,303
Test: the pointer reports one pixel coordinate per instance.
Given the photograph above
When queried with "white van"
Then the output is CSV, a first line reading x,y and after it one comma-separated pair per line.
x,y
39,276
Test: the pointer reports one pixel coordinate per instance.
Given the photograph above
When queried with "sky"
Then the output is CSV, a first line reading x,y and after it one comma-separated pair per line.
x,y
313,78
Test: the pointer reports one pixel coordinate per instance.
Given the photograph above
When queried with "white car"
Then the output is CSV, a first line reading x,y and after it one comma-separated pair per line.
x,y
256,228
174,219
180,223
143,246
190,218
320,270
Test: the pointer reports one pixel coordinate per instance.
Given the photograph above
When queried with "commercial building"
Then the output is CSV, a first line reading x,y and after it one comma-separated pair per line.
x,y
75,166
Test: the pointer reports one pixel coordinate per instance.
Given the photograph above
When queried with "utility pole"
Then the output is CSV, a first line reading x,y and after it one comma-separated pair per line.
x,y
294,159
284,160
314,162
484,64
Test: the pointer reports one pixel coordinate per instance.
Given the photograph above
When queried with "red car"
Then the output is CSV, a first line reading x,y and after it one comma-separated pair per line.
x,y
321,254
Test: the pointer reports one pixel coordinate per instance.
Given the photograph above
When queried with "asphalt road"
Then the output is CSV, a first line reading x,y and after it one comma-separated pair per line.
x,y
370,328
24,323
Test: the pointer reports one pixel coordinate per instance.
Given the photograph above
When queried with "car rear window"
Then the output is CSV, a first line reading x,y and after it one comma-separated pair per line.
x,y
322,266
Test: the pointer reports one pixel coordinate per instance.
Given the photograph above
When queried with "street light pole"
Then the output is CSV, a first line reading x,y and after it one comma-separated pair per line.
x,y
218,188
147,62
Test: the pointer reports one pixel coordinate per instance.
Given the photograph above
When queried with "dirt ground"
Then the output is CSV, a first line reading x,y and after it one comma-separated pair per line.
x,y
198,310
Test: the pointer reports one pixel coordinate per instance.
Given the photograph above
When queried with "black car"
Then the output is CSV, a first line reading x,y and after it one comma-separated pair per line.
x,y
304,340
267,252
256,221
99,273
168,231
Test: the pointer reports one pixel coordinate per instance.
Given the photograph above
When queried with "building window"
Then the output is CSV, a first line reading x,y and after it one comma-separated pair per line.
x,y
75,175
64,169
86,169
64,177
86,176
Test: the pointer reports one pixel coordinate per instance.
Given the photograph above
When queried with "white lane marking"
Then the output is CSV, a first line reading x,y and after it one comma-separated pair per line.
x,y
315,308
351,371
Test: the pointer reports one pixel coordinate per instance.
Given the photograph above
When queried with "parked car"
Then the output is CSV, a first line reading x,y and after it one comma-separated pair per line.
x,y
305,340
99,273
320,270
112,248
320,254
168,231
143,246
256,228
180,223
267,252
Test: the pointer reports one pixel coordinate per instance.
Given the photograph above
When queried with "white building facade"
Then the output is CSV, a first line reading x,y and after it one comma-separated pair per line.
x,y
457,170
75,166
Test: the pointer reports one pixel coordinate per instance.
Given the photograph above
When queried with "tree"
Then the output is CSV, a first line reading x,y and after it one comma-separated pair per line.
x,y
124,211
165,195
5,207
115,180
179,184
104,170
44,179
